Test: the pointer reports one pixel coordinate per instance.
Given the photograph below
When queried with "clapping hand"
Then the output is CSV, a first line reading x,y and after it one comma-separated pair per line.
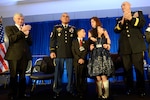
x,y
127,15
26,29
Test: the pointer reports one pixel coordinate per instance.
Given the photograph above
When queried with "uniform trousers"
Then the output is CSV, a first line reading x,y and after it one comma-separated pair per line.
x,y
136,60
59,69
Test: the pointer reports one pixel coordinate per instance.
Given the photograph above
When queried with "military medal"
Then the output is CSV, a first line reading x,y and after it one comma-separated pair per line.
x,y
71,30
71,35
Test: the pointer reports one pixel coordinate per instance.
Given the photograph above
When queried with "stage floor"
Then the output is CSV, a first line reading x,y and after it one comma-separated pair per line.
x,y
117,92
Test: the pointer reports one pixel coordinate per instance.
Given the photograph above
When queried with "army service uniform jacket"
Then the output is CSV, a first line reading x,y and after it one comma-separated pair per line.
x,y
131,38
61,40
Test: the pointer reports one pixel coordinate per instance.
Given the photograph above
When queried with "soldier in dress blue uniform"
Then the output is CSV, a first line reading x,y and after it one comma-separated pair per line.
x,y
60,46
132,46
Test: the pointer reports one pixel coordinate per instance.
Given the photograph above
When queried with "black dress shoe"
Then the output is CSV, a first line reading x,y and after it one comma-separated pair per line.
x,y
99,98
24,96
81,97
129,92
71,94
56,95
142,94
12,98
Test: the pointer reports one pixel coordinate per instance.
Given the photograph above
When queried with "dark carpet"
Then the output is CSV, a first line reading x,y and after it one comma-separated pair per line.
x,y
44,92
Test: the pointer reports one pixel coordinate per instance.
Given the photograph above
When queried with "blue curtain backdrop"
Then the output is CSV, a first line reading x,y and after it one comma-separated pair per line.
x,y
41,34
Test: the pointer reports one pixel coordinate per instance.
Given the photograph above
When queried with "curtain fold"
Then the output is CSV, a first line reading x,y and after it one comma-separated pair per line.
x,y
41,31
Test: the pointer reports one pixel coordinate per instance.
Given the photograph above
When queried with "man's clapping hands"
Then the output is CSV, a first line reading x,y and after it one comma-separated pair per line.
x,y
25,29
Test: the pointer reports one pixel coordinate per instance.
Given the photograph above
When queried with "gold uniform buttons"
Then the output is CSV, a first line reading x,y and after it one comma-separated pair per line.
x,y
128,35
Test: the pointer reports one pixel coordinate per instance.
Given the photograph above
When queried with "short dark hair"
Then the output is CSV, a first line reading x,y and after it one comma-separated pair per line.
x,y
78,30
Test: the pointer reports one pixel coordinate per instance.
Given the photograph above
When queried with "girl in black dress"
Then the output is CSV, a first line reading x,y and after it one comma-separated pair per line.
x,y
100,63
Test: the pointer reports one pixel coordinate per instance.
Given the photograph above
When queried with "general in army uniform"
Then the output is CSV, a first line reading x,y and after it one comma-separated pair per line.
x,y
60,47
132,46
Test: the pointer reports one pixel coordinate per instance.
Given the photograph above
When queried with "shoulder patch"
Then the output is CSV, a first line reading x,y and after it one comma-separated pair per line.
x,y
58,25
51,34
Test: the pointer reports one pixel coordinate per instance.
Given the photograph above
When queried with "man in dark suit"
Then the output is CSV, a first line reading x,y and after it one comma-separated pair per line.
x,y
79,50
132,46
60,47
18,55
147,34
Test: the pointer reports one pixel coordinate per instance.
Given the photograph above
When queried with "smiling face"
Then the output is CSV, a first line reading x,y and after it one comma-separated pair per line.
x,y
81,33
93,23
18,19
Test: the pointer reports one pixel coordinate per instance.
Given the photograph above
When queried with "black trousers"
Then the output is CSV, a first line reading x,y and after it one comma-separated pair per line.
x,y
80,78
136,60
17,83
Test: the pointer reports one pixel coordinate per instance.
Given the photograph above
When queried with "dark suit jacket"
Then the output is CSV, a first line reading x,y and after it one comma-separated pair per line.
x,y
147,34
77,53
18,44
131,38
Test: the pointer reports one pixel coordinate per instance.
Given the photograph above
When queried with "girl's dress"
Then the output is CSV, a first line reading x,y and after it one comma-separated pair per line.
x,y
100,62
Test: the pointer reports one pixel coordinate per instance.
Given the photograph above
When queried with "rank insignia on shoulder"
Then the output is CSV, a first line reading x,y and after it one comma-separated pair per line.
x,y
58,25
71,30
71,26
71,35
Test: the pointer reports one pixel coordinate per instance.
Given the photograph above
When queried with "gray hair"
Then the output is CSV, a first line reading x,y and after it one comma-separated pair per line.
x,y
18,14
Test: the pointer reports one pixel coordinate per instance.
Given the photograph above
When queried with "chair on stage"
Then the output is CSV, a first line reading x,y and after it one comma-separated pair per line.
x,y
147,71
39,74
4,78
29,66
118,64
